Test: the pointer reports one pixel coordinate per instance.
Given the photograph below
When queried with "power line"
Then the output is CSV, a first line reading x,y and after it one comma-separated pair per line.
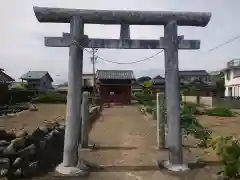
x,y
133,62
218,46
115,62
226,42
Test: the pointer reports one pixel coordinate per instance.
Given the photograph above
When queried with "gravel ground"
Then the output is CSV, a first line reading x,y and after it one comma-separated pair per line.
x,y
30,120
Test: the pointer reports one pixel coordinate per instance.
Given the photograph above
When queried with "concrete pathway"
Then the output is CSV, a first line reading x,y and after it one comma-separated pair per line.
x,y
128,148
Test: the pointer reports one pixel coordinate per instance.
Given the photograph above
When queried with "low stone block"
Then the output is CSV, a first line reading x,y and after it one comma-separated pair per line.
x,y
21,133
42,144
17,162
19,143
18,172
3,172
61,128
32,107
33,167
44,129
30,150
4,163
10,135
37,135
4,143
9,150
52,125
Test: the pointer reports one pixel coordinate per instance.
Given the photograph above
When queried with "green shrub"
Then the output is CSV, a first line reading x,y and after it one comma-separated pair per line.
x,y
51,97
191,125
190,108
143,96
20,95
228,150
220,111
145,99
95,101
149,109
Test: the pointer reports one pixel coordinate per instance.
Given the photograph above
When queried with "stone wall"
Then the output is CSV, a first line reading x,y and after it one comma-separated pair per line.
x,y
27,155
205,100
227,102
23,154
214,101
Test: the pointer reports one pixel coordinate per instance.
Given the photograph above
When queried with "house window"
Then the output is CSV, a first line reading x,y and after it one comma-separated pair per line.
x,y
85,82
236,73
230,91
238,91
228,75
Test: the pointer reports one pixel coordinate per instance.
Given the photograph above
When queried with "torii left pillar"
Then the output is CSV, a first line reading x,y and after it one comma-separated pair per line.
x,y
74,97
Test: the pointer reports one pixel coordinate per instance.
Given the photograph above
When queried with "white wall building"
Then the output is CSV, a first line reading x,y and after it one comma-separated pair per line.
x,y
232,78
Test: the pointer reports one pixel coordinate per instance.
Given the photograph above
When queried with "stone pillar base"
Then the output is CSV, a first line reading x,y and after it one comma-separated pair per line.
x,y
173,167
70,171
90,147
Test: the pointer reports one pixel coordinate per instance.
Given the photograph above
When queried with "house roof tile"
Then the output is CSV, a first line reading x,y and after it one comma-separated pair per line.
x,y
35,75
115,74
193,73
4,77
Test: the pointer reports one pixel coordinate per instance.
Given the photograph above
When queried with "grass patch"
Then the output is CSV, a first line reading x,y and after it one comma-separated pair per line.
x,y
220,111
51,98
191,108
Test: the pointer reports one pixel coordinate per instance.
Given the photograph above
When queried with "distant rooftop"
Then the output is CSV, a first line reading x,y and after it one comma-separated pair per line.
x,y
4,77
233,63
35,75
115,74
193,73
158,80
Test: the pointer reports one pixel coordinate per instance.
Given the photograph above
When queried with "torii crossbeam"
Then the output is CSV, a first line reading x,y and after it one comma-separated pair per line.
x,y
76,41
66,40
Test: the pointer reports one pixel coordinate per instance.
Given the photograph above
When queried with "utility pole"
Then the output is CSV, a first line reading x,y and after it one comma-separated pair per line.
x,y
93,61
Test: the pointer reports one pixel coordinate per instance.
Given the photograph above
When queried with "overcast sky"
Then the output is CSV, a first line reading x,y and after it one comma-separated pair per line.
x,y
22,36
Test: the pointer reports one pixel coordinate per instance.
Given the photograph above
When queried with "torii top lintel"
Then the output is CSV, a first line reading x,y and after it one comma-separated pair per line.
x,y
62,15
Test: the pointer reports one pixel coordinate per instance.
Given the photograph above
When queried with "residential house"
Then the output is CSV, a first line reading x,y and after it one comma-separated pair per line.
x,y
115,85
218,82
199,79
158,82
4,78
194,76
232,78
5,82
40,81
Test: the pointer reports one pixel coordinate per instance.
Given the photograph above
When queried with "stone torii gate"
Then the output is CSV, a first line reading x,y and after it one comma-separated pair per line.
x,y
76,41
